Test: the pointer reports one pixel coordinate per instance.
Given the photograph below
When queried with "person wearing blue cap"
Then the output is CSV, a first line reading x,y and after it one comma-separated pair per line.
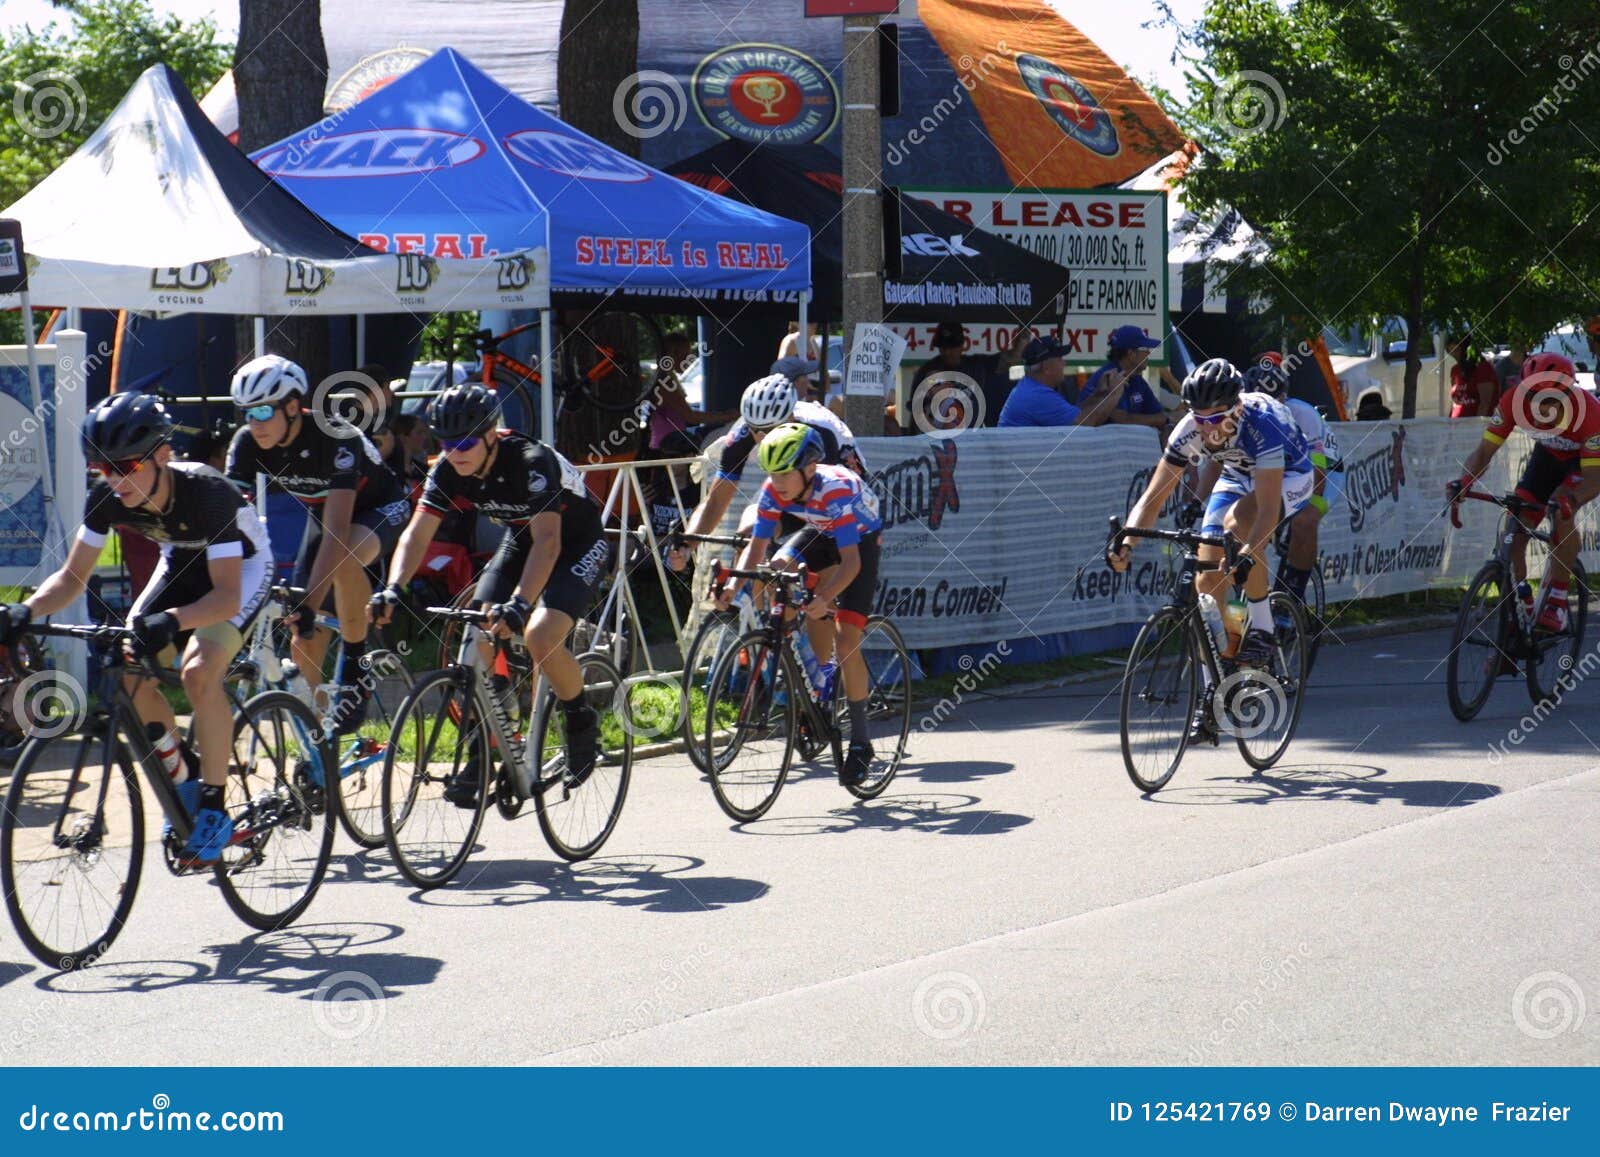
x,y
1037,399
1128,352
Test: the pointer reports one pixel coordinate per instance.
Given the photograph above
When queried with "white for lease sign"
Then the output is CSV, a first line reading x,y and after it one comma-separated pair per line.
x,y
1113,240
874,358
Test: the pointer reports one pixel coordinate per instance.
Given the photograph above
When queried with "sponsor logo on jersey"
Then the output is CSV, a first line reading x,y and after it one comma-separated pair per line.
x,y
538,484
1375,478
344,458
587,568
765,94
574,157
1072,106
919,489
372,153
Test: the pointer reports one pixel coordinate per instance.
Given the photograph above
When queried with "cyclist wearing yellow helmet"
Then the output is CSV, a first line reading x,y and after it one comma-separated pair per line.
x,y
838,542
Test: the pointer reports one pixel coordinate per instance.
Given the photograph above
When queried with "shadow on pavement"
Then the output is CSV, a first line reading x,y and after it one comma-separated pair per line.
x,y
932,813
10,971
1334,782
318,961
653,883
954,770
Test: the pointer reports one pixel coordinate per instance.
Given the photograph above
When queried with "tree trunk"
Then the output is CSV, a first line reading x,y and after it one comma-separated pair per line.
x,y
1415,333
599,51
280,71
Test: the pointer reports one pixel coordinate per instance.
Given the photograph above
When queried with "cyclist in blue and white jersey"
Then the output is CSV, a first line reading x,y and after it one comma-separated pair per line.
x,y
1267,377
1254,461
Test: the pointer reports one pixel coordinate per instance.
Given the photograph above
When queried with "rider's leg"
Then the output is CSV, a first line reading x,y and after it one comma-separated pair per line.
x,y
351,592
546,638
205,663
855,604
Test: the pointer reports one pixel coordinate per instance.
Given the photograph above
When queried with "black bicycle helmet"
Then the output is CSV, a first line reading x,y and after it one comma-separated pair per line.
x,y
125,427
1213,383
1267,378
463,411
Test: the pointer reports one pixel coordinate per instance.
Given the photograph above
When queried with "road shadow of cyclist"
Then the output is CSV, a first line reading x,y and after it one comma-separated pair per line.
x,y
1331,782
931,813
322,962
954,770
653,883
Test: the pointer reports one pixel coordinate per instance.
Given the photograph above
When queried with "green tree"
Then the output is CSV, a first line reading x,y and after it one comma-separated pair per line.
x,y
59,83
1432,161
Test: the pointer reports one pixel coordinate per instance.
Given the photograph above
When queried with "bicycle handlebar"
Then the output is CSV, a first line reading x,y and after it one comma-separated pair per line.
x,y
101,634
678,538
1511,503
1190,539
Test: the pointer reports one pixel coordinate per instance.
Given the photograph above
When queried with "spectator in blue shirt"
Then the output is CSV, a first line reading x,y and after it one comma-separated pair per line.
x,y
1129,351
1037,398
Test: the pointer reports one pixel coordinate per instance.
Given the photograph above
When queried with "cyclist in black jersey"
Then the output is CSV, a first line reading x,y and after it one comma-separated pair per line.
x,y
766,404
549,564
356,508
213,576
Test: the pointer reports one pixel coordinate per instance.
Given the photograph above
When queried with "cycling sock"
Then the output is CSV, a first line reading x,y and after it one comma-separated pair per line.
x,y
577,706
1558,592
1292,580
858,720
211,796
350,662
1260,615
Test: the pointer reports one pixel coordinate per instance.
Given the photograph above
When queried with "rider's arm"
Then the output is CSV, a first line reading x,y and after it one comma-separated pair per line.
x,y
413,546
1268,486
843,575
57,592
335,545
222,601
1162,483
545,531
708,515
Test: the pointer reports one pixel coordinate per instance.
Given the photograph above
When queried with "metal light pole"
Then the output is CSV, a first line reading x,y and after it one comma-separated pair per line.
x,y
863,209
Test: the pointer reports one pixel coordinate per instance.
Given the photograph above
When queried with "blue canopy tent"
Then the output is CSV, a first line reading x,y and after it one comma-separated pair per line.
x,y
446,162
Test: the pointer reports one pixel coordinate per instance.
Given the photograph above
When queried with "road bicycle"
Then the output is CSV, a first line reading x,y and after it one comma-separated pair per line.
x,y
72,832
592,372
1314,607
456,745
761,708
260,666
1493,634
1175,660
718,632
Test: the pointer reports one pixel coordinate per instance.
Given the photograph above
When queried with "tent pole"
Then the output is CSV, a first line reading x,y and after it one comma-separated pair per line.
x,y
261,336
803,347
361,341
46,475
547,400
704,352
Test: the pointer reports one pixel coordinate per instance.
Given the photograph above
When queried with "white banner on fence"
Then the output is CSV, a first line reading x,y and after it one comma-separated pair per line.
x,y
999,534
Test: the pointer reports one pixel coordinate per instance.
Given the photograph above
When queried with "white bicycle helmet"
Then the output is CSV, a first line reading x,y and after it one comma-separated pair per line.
x,y
267,380
768,401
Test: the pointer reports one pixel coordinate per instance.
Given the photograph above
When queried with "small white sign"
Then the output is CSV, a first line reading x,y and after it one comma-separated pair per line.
x,y
874,358
9,265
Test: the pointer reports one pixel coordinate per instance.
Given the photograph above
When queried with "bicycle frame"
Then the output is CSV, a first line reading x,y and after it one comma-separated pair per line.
x,y
1185,597
1510,527
470,662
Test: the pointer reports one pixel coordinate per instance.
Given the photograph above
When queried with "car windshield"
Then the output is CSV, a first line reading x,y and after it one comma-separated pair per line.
x,y
1348,342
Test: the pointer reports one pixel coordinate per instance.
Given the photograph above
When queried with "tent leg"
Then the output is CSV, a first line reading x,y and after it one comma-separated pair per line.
x,y
804,345
261,336
361,340
547,389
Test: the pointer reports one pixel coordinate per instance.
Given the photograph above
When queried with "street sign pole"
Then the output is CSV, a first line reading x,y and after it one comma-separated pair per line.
x,y
863,206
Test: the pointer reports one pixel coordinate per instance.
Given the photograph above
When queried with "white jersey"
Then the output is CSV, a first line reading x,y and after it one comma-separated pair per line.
x,y
1319,435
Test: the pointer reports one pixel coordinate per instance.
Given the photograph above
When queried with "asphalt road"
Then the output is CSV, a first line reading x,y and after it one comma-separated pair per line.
x,y
1393,893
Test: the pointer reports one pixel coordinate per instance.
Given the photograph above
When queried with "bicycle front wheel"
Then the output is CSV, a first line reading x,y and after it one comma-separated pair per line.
x,y
1554,656
282,813
577,813
436,777
750,727
361,755
1478,646
1263,705
1160,687
71,849
888,705
718,632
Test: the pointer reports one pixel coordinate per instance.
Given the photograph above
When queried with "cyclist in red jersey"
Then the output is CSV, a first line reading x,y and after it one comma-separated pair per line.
x,y
1564,468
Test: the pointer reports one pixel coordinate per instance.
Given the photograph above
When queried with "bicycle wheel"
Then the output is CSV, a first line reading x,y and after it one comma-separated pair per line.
x,y
578,815
750,727
361,755
71,849
718,632
1262,706
283,820
888,705
1555,656
436,779
1480,644
1160,687
611,350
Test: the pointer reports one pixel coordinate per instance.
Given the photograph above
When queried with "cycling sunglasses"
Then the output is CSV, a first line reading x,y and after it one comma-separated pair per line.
x,y
120,469
260,413
457,445
1213,419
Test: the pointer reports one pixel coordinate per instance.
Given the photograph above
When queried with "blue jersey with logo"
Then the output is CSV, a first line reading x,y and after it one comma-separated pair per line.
x,y
1268,438
838,504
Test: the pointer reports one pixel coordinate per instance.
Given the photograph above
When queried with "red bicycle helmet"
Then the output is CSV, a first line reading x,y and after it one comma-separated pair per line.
x,y
1548,367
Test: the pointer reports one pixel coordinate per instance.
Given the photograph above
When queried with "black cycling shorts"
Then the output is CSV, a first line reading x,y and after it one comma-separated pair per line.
x,y
574,580
1543,476
819,552
387,522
